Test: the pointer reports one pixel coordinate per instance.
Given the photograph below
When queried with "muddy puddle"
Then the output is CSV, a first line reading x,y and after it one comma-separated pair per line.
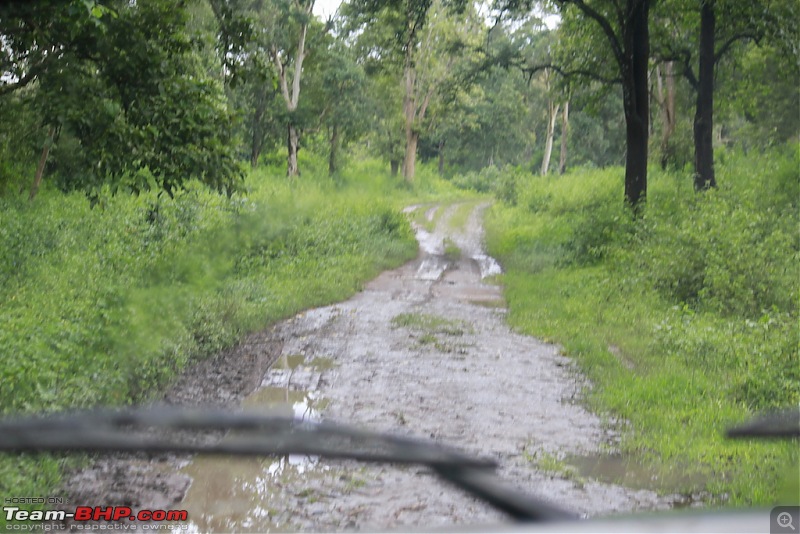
x,y
633,472
235,494
423,351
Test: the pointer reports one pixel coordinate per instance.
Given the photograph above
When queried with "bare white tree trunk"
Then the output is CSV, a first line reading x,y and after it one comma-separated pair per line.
x,y
552,109
293,141
292,97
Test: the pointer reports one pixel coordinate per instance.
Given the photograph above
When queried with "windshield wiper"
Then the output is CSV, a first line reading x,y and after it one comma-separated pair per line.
x,y
259,434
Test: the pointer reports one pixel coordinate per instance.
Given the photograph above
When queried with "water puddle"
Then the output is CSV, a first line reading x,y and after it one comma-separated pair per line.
x,y
633,473
488,265
231,494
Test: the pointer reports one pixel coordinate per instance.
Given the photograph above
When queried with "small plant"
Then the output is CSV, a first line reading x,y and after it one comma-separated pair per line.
x,y
429,328
451,251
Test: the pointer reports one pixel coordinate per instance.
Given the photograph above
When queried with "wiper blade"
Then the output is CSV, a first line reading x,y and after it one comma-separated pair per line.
x,y
256,434
259,434
784,424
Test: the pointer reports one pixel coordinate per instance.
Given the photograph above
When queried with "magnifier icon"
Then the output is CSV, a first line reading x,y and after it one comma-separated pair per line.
x,y
785,520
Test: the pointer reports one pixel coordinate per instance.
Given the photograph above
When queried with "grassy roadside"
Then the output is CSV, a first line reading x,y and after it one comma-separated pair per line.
x,y
686,322
103,307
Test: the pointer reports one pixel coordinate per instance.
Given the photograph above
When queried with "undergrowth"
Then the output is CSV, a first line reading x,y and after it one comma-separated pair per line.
x,y
686,320
105,306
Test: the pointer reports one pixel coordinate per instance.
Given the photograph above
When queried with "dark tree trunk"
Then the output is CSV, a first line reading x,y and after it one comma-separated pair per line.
x,y
334,148
636,103
441,158
704,113
395,165
293,144
37,180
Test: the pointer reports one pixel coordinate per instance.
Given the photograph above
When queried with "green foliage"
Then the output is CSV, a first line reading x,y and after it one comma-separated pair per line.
x,y
733,251
483,181
686,321
128,97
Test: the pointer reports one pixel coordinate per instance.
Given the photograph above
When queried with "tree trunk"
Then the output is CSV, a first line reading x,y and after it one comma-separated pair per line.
x,y
292,170
258,134
37,180
562,162
334,149
395,166
636,103
441,158
292,97
409,111
551,128
412,138
704,113
666,99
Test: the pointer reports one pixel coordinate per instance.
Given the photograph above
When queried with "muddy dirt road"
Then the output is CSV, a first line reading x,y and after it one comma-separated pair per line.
x,y
423,350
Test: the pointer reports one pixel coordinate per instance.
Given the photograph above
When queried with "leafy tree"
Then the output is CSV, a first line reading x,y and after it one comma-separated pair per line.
x,y
426,49
760,106
624,24
706,31
387,129
345,114
121,87
288,23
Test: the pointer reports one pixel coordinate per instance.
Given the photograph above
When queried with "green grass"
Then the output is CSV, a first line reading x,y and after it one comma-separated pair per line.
x,y
458,219
431,324
451,251
440,332
653,312
104,306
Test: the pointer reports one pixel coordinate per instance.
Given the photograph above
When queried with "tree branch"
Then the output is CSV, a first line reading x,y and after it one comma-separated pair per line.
x,y
31,75
727,44
613,39
684,57
273,54
298,66
530,71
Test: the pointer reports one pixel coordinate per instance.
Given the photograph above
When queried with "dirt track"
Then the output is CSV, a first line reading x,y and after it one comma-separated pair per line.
x,y
423,350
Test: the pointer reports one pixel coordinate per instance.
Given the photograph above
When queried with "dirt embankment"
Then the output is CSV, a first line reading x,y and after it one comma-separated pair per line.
x,y
423,350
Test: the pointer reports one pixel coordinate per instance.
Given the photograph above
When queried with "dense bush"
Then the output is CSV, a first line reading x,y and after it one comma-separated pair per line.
x,y
686,318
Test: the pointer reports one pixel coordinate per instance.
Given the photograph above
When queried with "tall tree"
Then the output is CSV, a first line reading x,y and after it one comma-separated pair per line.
x,y
609,41
705,31
562,160
343,88
291,22
665,87
625,24
408,40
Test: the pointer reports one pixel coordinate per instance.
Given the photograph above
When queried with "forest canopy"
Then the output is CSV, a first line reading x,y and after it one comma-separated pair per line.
x,y
149,94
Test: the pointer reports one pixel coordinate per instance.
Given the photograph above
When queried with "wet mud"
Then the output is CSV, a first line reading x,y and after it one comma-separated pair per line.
x,y
422,351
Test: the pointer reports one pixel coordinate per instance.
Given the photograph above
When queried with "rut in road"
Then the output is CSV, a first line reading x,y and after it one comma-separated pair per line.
x,y
423,350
